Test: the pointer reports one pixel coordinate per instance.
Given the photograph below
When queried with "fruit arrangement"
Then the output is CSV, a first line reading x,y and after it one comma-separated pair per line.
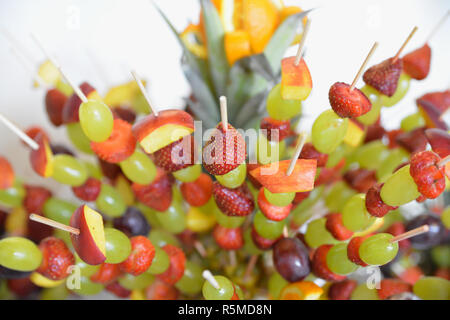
x,y
286,215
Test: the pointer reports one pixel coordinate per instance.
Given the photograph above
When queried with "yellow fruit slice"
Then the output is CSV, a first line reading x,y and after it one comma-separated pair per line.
x,y
354,135
44,282
191,37
303,290
237,46
199,221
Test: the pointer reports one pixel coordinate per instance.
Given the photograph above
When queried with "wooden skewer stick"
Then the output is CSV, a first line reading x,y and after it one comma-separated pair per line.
x,y
444,161
285,232
363,66
144,92
27,67
207,275
200,248
251,264
22,135
233,260
16,44
437,26
298,150
411,233
224,112
404,44
301,45
53,60
54,224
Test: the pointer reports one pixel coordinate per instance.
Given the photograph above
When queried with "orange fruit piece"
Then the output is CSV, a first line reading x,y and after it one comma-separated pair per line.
x,y
303,290
190,37
286,12
237,45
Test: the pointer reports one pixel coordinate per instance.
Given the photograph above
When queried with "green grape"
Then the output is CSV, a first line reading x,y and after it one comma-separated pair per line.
x,y
234,178
337,155
191,282
301,213
411,122
279,108
149,214
279,199
64,87
328,131
57,293
378,250
139,168
317,234
362,292
64,236
269,151
19,254
78,138
160,262
159,238
400,92
338,262
228,221
375,98
93,170
441,256
276,284
174,218
96,120
391,162
139,282
399,188
355,216
68,170
338,196
249,245
188,174
118,246
266,228
432,288
445,217
110,202
140,104
372,154
59,210
13,197
5,294
225,291
86,270
87,287
389,219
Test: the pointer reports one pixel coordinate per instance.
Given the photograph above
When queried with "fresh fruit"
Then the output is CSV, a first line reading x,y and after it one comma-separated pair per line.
x,y
271,211
427,240
279,108
291,259
233,202
303,290
400,188
70,113
336,227
107,273
188,174
237,45
54,104
140,258
42,159
90,244
110,202
309,152
139,168
19,254
361,180
378,249
158,194
89,191
374,204
317,234
56,259
355,216
346,103
225,291
328,131
177,265
439,141
429,177
117,245
353,250
384,76
400,91
432,288
160,263
275,130
177,155
260,242
342,290
132,223
69,170
197,193
266,228
296,82
417,63
228,238
6,174
338,262
234,178
319,264
390,287
431,106
96,120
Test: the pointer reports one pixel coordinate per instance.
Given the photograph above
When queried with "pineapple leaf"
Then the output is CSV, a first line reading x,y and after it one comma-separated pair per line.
x,y
218,64
259,64
251,109
282,39
200,114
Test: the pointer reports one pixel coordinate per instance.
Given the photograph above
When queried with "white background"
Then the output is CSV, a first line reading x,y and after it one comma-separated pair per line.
x,y
116,35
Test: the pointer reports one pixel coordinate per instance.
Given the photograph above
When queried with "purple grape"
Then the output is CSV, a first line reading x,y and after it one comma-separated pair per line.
x,y
132,223
430,238
7,273
291,259
60,149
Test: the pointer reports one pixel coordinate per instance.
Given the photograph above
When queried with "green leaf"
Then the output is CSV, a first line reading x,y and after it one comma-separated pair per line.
x,y
218,64
200,114
282,39
259,64
251,109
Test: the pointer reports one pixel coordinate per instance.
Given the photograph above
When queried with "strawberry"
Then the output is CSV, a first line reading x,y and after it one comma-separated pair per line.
x,y
228,238
346,103
413,141
124,113
411,274
384,76
159,290
342,290
119,146
440,100
177,155
271,211
319,264
428,176
88,191
416,64
56,259
224,151
72,105
158,194
360,179
439,140
233,202
443,273
7,175
107,273
374,132
390,287
261,242
176,267
353,250
54,104
397,228
392,137
197,193
119,291
309,152
335,226
374,205
140,258
283,127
